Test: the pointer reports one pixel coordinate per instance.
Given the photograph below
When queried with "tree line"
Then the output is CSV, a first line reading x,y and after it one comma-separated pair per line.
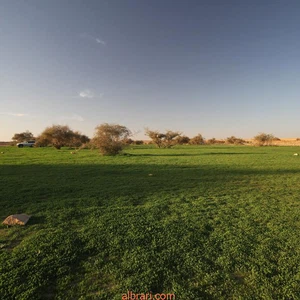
x,y
111,139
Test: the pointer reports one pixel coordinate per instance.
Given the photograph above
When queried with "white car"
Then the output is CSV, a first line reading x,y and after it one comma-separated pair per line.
x,y
26,144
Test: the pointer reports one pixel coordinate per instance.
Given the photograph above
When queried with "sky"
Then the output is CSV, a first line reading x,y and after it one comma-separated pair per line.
x,y
219,68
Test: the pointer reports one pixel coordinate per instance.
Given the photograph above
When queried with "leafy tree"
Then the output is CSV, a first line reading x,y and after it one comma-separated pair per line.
x,y
263,139
23,136
181,140
163,140
59,136
78,139
197,140
111,138
129,141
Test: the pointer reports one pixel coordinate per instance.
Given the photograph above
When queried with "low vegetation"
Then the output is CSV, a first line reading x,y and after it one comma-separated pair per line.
x,y
197,140
214,141
117,136
235,141
211,222
183,140
263,139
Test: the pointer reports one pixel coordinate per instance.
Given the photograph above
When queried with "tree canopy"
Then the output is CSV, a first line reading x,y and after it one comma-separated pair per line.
x,y
110,139
23,136
163,140
59,136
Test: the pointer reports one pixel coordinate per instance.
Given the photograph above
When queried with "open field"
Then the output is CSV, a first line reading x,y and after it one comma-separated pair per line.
x,y
216,222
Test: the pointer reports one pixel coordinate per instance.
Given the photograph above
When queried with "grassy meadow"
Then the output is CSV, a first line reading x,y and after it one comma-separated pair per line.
x,y
203,222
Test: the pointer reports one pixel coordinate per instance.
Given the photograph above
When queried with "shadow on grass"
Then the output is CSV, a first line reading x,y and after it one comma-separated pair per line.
x,y
34,220
197,154
120,234
66,186
166,154
233,153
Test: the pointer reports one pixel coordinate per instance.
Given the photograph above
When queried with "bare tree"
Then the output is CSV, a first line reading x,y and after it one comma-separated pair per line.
x,y
111,138
155,136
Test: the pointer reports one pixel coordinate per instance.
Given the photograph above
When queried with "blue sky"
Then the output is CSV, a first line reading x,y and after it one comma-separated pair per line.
x,y
219,68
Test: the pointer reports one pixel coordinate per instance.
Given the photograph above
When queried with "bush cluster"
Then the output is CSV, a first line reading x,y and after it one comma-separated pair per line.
x,y
166,139
235,141
111,139
264,139
59,136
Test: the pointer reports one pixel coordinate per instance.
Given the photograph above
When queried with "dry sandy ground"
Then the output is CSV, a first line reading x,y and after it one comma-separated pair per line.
x,y
283,142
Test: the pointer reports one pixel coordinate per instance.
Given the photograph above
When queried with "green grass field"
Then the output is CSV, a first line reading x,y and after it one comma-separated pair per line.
x,y
209,223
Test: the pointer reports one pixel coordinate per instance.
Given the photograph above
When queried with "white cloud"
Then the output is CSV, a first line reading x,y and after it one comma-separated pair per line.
x,y
92,38
14,114
86,94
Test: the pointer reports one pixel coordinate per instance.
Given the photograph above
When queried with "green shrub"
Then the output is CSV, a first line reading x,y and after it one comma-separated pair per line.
x,y
110,139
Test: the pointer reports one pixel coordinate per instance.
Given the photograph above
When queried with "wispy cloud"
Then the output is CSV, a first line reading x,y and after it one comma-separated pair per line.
x,y
100,41
73,117
86,94
14,114
77,118
93,38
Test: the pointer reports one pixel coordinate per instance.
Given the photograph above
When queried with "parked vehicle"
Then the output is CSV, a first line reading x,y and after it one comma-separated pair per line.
x,y
26,144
